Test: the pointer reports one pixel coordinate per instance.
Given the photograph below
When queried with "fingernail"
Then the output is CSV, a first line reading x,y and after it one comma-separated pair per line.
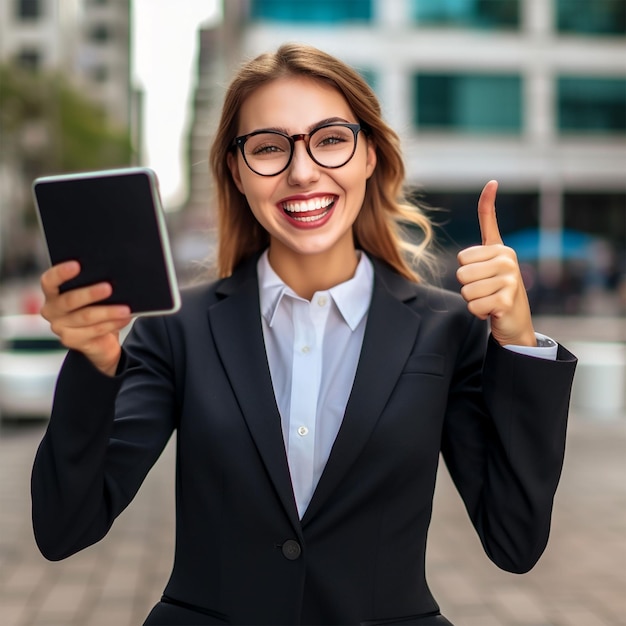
x,y
104,289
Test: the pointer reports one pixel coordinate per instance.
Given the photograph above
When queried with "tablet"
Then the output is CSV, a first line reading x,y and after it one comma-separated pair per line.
x,y
112,223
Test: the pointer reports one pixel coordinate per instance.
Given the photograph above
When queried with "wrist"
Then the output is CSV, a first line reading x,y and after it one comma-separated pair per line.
x,y
527,339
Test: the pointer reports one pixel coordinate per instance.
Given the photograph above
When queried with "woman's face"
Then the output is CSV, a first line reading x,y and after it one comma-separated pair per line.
x,y
307,209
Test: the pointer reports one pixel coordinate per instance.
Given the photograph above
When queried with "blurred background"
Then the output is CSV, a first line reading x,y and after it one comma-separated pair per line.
x,y
529,92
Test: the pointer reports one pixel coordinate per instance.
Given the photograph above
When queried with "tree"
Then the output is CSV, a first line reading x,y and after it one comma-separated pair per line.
x,y
47,127
76,132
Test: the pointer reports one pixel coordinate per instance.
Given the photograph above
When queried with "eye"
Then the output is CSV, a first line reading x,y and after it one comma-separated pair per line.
x,y
331,137
266,148
266,145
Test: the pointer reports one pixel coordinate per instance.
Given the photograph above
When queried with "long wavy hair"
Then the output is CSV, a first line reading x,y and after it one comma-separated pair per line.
x,y
388,226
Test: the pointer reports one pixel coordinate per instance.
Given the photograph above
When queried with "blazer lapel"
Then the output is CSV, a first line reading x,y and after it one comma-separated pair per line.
x,y
236,324
390,335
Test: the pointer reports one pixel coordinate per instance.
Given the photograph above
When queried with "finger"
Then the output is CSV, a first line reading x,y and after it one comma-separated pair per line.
x,y
471,274
54,277
59,305
482,308
478,254
505,266
85,296
99,341
488,287
81,328
77,337
489,231
97,315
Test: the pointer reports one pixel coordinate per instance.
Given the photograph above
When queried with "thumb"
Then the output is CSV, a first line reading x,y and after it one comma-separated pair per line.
x,y
489,231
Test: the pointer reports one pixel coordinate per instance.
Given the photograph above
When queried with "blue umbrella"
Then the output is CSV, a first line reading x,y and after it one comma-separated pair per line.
x,y
531,244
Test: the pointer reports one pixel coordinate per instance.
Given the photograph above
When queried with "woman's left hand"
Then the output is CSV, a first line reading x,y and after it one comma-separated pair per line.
x,y
492,281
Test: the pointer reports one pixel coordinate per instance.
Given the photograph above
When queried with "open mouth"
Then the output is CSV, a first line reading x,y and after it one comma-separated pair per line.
x,y
307,211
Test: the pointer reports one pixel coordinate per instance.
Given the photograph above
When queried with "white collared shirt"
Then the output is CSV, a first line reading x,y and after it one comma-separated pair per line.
x,y
313,349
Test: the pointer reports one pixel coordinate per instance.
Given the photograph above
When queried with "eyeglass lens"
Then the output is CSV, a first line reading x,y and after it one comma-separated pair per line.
x,y
269,152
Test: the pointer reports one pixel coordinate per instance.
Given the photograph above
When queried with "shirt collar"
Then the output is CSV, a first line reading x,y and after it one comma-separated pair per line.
x,y
352,297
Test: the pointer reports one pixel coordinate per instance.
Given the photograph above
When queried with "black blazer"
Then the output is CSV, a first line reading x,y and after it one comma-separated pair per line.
x,y
357,555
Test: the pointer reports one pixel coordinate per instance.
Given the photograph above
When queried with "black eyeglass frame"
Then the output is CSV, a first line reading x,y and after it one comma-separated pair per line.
x,y
240,142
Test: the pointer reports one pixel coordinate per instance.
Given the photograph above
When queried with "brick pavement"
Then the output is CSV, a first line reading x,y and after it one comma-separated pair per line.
x,y
580,581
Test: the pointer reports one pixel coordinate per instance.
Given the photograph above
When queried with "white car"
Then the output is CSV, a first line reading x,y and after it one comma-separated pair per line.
x,y
30,359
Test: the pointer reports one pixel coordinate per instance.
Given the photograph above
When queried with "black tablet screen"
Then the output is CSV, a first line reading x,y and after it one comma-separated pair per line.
x,y
110,225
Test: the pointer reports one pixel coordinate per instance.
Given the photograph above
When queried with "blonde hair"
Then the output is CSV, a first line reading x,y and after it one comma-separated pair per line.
x,y
380,228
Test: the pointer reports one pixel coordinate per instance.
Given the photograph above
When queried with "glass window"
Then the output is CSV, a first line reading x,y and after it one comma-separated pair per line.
x,y
600,214
595,17
28,9
29,59
318,11
456,214
591,104
100,33
467,13
480,103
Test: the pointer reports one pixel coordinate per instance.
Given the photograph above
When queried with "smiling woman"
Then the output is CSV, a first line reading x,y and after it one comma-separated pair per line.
x,y
310,211
314,386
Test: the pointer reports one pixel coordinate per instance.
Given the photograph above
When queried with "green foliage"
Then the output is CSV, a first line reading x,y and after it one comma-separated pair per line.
x,y
74,132
88,142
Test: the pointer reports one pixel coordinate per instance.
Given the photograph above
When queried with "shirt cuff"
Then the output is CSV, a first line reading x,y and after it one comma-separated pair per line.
x,y
546,348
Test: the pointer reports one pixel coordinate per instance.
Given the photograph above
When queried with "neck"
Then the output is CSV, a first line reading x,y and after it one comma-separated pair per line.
x,y
308,273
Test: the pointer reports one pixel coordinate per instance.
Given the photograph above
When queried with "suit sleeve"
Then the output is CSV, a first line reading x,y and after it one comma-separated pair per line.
x,y
504,445
103,437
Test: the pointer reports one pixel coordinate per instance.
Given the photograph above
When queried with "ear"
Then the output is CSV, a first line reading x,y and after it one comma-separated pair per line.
x,y
233,165
370,164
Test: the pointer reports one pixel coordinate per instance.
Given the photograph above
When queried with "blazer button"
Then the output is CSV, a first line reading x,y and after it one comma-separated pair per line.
x,y
291,549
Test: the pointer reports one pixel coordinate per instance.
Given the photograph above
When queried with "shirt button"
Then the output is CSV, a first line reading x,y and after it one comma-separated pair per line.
x,y
322,301
306,349
303,431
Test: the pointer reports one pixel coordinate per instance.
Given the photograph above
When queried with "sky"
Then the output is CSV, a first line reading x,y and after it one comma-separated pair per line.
x,y
164,48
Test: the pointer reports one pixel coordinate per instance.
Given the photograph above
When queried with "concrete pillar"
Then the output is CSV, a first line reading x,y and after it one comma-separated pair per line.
x,y
550,228
390,12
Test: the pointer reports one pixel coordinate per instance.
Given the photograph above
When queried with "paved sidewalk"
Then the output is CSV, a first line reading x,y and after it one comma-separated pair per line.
x,y
580,581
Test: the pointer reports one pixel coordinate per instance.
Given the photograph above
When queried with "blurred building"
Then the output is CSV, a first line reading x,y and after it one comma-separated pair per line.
x,y
530,92
88,40
103,62
38,33
206,101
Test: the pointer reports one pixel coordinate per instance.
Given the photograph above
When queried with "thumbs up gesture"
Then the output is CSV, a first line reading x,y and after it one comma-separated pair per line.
x,y
492,282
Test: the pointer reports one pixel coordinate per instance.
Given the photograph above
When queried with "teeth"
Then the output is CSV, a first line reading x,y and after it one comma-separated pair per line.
x,y
309,205
310,218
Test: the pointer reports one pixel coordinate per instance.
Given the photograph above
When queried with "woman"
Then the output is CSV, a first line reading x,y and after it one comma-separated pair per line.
x,y
313,387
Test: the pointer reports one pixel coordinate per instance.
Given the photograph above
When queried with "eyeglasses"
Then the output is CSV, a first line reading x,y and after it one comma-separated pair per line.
x,y
269,152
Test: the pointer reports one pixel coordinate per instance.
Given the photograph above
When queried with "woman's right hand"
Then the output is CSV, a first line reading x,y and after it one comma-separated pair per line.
x,y
79,321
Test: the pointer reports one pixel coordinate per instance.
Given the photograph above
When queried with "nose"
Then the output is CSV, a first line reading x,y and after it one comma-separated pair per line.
x,y
302,169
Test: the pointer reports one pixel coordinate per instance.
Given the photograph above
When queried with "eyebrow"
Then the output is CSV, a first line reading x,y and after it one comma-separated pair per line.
x,y
328,120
